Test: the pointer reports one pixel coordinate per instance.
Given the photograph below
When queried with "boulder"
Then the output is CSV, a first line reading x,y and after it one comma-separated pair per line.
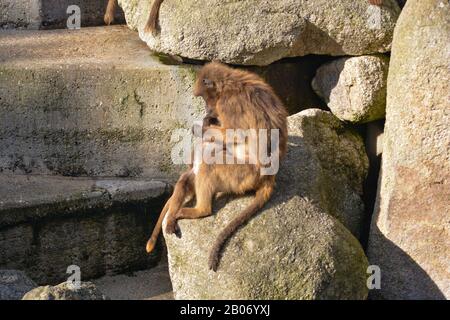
x,y
410,233
294,248
354,88
14,284
66,291
259,32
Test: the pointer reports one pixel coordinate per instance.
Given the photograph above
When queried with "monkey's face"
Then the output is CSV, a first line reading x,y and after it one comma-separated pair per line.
x,y
205,88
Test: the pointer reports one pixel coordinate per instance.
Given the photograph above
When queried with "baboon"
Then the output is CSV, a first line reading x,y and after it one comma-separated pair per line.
x,y
235,99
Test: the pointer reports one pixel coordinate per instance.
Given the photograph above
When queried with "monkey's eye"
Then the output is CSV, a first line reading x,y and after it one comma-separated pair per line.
x,y
208,83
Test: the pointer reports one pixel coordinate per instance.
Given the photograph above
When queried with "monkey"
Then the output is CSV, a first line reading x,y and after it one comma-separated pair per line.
x,y
238,100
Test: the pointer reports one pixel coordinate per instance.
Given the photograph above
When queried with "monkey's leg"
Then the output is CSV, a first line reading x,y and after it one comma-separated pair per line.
x,y
204,193
110,11
183,189
263,194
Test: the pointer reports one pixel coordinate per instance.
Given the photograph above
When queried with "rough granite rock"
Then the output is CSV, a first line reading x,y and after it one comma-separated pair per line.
x,y
410,233
66,291
294,248
14,284
354,88
259,32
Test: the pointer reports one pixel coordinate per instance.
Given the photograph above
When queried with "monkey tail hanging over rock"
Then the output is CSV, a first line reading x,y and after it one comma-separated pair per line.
x,y
240,100
152,21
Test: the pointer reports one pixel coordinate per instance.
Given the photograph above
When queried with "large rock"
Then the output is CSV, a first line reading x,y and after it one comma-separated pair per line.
x,y
66,291
294,249
354,88
14,284
258,32
410,234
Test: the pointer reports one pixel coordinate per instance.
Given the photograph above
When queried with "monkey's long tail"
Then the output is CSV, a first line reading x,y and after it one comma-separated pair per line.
x,y
157,229
153,17
261,197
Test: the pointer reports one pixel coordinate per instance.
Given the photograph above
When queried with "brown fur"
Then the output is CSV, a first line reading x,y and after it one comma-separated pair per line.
x,y
152,21
240,100
376,2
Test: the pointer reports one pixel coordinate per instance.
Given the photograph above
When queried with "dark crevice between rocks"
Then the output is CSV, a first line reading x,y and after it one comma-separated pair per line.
x,y
290,78
370,187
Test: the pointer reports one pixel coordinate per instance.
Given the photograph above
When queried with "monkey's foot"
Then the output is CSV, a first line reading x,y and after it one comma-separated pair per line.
x,y
108,18
173,228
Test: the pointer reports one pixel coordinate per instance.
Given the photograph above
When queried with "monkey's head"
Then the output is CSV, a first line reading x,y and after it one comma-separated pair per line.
x,y
209,83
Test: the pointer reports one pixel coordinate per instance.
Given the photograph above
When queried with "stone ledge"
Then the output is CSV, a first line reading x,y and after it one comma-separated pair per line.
x,y
48,223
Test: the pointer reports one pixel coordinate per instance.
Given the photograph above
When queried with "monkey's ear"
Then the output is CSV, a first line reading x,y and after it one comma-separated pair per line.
x,y
208,83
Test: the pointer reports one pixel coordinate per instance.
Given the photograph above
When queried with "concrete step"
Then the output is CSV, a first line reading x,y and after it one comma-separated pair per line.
x,y
89,102
96,102
51,14
48,223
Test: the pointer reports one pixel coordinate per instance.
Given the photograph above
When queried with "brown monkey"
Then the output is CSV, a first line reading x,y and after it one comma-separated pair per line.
x,y
241,100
